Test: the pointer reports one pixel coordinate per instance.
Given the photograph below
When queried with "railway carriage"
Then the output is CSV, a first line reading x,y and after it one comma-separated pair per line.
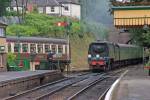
x,y
105,55
35,49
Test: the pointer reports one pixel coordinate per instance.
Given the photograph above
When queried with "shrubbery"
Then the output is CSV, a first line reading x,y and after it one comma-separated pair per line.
x,y
42,25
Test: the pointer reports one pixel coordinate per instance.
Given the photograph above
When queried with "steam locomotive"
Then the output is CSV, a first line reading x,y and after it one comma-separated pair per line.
x,y
103,55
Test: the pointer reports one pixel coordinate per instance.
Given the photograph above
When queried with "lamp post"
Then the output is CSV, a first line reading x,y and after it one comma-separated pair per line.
x,y
67,25
68,28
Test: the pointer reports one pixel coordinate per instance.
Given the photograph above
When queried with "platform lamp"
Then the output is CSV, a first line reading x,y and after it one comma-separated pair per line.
x,y
67,25
68,28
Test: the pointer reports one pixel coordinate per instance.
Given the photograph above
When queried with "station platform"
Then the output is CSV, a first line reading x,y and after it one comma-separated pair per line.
x,y
12,83
135,85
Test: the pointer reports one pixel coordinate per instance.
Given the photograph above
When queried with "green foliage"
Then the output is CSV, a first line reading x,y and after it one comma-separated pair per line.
x,y
148,63
3,5
42,25
35,9
140,36
12,13
131,3
11,57
22,29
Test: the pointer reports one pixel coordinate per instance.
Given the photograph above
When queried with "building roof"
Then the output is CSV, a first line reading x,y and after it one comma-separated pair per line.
x,y
69,1
44,2
2,23
13,3
36,40
131,8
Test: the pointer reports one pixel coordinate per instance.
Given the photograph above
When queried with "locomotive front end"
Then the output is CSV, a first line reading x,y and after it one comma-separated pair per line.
x,y
97,56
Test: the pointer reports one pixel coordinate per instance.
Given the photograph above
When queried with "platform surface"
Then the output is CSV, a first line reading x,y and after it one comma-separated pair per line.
x,y
135,85
7,76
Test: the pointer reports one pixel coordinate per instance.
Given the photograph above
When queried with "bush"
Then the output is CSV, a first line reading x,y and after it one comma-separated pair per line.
x,y
42,25
23,30
11,57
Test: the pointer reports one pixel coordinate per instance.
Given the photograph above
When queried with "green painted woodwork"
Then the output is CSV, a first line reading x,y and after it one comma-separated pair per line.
x,y
131,8
14,65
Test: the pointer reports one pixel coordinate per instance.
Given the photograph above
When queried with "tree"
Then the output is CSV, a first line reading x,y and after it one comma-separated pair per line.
x,y
140,36
130,3
23,4
3,5
17,10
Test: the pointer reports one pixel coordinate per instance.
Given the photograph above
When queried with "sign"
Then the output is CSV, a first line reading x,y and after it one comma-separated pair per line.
x,y
61,24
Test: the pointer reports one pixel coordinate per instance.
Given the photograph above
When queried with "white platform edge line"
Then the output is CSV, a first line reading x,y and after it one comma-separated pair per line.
x,y
112,88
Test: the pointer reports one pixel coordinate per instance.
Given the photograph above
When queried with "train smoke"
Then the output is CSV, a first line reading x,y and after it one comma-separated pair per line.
x,y
96,16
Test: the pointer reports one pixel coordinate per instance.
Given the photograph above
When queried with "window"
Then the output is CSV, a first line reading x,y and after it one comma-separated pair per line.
x,y
60,49
66,8
32,48
52,9
16,47
24,47
9,47
47,48
40,48
2,31
54,48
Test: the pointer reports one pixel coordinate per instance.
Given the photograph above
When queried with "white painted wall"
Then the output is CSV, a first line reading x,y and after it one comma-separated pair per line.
x,y
41,10
56,11
19,8
74,10
65,12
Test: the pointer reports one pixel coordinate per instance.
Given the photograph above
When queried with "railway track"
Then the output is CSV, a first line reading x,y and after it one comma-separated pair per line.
x,y
49,88
74,91
72,88
96,90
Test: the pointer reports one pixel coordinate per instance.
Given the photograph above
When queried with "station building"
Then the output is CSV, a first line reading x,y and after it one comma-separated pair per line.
x,y
3,66
131,16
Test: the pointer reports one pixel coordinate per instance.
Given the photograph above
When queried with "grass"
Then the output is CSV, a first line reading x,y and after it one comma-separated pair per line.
x,y
79,52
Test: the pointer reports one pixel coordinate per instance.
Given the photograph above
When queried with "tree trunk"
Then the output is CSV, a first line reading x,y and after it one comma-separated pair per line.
x,y
26,5
18,11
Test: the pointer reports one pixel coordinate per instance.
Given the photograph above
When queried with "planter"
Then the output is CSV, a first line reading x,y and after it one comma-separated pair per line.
x,y
147,68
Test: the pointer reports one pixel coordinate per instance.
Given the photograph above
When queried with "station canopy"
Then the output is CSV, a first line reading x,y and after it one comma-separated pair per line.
x,y
131,16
